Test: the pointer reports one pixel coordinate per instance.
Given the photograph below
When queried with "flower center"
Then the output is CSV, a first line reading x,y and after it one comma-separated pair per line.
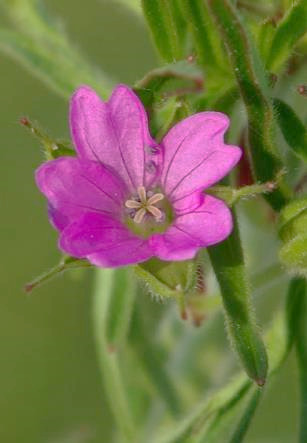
x,y
148,212
145,204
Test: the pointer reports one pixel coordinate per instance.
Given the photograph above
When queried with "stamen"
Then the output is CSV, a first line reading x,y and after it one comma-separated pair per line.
x,y
145,203
142,194
140,214
132,204
155,198
154,211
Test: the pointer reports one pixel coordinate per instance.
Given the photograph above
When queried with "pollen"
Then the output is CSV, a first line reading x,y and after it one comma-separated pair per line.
x,y
144,204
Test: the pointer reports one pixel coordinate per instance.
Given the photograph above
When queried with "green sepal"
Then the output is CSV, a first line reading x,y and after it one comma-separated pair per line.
x,y
168,279
292,128
66,263
52,148
228,263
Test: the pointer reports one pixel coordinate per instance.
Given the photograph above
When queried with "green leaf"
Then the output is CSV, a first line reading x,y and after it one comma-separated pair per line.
x,y
299,290
290,29
66,263
253,85
292,128
164,27
228,263
208,49
45,50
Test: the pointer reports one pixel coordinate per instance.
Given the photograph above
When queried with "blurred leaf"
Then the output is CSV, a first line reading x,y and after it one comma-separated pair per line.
x,y
293,129
253,85
44,49
164,27
66,263
290,29
133,6
109,363
228,264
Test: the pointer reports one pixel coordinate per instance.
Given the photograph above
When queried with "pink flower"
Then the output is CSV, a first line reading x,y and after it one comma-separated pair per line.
x,y
124,198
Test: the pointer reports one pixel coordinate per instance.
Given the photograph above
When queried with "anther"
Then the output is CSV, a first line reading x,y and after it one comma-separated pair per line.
x,y
145,204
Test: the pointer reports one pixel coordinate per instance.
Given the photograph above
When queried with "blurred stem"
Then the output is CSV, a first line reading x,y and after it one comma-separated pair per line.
x,y
300,330
109,361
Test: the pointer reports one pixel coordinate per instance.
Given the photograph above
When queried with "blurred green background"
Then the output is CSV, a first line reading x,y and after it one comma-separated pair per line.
x,y
50,384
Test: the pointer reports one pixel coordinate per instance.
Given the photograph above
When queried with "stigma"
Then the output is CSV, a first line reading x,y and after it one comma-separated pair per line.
x,y
144,204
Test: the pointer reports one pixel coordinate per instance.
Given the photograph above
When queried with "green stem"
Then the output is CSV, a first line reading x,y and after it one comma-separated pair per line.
x,y
109,361
228,263
253,84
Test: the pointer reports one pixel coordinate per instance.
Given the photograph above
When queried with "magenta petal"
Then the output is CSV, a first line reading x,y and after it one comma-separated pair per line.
x,y
207,225
74,187
128,252
103,241
58,220
195,154
115,133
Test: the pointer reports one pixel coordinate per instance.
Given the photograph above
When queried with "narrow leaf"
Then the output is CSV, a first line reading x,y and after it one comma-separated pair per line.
x,y
163,27
292,128
290,29
203,31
